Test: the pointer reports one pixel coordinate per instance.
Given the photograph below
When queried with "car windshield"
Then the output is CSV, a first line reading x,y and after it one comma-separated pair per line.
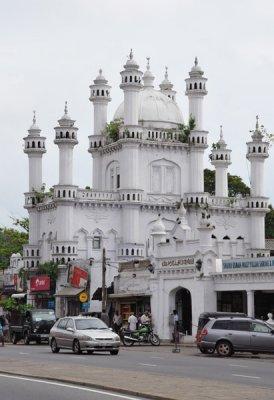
x,y
82,324
43,316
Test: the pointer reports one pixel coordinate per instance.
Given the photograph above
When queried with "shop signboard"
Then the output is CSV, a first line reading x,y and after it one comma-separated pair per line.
x,y
39,283
78,277
8,282
238,263
83,297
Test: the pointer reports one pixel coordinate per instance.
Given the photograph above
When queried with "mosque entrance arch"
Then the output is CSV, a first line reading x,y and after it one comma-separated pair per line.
x,y
184,307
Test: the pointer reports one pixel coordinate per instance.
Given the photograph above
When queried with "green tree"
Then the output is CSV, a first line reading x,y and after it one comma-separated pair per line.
x,y
112,129
11,241
235,184
269,223
23,223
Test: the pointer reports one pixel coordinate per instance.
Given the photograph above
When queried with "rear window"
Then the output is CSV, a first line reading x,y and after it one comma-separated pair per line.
x,y
222,325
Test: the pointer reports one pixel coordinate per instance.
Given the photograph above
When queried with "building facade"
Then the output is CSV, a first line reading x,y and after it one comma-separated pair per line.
x,y
165,237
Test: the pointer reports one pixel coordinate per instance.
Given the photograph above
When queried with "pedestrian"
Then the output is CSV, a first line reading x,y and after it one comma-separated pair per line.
x,y
145,318
105,317
117,321
1,332
176,331
132,322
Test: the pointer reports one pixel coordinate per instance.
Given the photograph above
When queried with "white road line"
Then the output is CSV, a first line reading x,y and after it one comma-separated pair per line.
x,y
120,396
158,358
247,376
238,365
148,365
24,353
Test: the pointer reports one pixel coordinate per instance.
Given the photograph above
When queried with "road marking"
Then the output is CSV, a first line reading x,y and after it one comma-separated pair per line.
x,y
148,365
120,396
238,365
159,358
247,376
24,353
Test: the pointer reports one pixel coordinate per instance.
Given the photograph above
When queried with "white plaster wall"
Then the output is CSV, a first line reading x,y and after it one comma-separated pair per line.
x,y
196,110
35,171
221,183
257,176
66,164
100,116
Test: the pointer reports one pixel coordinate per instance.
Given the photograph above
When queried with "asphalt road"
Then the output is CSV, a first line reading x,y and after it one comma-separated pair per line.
x,y
241,369
12,387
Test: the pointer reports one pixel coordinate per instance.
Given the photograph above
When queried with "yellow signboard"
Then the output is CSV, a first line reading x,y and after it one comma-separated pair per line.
x,y
83,297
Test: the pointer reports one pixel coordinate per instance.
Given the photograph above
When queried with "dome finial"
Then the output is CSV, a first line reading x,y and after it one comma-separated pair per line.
x,y
148,65
257,122
100,71
34,117
131,54
166,72
221,132
196,61
66,108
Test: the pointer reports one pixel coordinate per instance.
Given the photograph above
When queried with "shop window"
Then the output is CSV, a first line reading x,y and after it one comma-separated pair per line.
x,y
96,242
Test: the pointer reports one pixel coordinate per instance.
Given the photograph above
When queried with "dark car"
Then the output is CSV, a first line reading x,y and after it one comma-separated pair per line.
x,y
205,317
32,325
228,335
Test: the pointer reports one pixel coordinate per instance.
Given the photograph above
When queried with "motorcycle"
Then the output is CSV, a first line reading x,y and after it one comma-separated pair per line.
x,y
144,334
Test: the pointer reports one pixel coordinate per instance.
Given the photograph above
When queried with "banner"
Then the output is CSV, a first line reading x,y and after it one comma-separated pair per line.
x,y
78,277
39,283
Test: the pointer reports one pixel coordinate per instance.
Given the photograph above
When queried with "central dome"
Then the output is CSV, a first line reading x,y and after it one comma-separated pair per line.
x,y
155,109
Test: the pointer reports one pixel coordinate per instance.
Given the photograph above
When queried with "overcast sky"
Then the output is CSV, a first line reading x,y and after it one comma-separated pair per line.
x,y
50,51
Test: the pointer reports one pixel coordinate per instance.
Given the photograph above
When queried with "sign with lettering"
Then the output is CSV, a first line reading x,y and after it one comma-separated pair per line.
x,y
39,283
265,262
178,262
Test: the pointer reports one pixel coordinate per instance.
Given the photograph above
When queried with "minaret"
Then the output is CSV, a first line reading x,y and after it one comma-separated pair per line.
x,y
148,77
257,152
35,148
66,139
100,97
65,192
166,86
220,158
196,90
131,85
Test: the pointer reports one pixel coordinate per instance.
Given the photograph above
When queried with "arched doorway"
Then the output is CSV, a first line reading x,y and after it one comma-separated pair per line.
x,y
183,306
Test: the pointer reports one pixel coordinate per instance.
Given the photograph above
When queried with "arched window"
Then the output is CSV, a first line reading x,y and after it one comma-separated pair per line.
x,y
221,157
57,249
133,196
59,193
264,149
226,238
128,197
68,259
254,149
63,261
39,145
32,264
27,253
126,252
197,200
122,252
37,253
103,92
198,139
67,135
202,200
226,156
200,86
73,250
262,204
98,92
27,264
132,252
69,249
33,144
190,86
137,251
64,193
259,149
63,249
195,85
202,139
32,253
130,78
213,237
240,238
193,140
191,199
257,204
126,79
27,145
73,135
61,134
69,193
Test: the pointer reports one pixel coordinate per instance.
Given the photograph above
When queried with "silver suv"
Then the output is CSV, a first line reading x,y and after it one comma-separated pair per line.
x,y
228,335
83,334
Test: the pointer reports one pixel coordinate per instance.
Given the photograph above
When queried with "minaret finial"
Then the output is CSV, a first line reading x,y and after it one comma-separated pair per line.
x,y
34,117
66,108
221,132
100,71
131,54
196,61
166,73
257,122
148,65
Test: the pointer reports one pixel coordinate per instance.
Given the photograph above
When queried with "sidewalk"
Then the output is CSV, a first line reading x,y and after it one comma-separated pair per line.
x,y
151,385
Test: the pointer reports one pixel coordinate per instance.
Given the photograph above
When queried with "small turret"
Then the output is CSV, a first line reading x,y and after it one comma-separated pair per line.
x,y
148,77
100,97
220,158
166,86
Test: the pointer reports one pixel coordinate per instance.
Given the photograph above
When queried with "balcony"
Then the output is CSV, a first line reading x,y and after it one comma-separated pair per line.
x,y
96,195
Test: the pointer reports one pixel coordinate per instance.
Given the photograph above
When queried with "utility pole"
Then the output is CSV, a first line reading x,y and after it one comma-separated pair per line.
x,y
104,292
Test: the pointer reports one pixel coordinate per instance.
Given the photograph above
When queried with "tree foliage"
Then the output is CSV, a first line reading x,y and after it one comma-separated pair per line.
x,y
11,304
49,268
186,129
235,184
11,241
112,129
22,223
269,223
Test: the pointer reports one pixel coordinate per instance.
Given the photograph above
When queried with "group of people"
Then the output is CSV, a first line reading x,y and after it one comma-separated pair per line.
x,y
134,322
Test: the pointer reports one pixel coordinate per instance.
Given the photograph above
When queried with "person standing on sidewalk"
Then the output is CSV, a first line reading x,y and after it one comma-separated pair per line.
x,y
132,322
176,331
1,333
117,321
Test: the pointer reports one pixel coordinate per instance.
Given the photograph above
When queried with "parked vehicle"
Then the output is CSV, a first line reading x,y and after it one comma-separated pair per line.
x,y
229,335
144,334
83,334
205,317
32,325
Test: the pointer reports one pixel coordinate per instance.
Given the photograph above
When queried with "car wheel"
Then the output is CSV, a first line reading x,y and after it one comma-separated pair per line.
x,y
26,338
90,351
53,346
76,348
224,348
14,339
114,352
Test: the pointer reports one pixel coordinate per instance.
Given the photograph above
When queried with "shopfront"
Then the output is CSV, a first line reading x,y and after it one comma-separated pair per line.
x,y
41,295
126,304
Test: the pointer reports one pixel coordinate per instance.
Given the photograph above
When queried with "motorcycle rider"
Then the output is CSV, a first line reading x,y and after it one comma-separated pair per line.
x,y
145,318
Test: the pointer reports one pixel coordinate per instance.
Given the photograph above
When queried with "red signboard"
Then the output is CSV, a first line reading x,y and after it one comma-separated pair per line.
x,y
39,283
78,277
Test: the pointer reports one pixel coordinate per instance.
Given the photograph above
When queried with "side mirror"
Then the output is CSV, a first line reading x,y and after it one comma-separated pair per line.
x,y
70,329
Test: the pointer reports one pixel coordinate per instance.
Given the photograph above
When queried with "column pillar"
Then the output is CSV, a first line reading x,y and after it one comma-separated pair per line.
x,y
250,303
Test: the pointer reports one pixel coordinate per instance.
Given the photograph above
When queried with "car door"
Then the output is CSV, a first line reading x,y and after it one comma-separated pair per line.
x,y
59,332
240,334
262,338
68,334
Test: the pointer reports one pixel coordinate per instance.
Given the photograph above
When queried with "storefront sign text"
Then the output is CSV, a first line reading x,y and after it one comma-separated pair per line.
x,y
249,263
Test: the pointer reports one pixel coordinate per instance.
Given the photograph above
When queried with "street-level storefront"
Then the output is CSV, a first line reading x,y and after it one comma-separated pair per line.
x,y
41,292
70,301
137,303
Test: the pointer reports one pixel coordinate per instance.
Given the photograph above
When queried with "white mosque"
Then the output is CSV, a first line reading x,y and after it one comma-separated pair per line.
x,y
169,244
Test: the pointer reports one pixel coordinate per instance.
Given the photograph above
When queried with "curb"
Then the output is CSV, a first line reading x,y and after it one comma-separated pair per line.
x,y
91,385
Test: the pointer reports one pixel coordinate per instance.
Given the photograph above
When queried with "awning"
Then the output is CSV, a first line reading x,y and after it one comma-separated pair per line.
x,y
18,295
127,295
69,292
